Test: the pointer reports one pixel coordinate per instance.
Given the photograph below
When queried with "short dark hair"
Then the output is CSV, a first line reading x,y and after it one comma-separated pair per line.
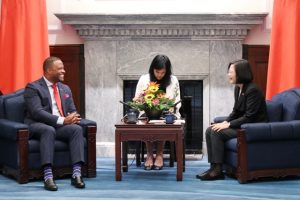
x,y
48,62
161,62
243,71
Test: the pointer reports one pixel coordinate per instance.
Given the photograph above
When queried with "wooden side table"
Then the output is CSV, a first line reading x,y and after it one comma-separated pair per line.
x,y
149,132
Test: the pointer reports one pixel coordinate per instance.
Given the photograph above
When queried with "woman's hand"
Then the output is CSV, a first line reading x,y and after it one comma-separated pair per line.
x,y
220,126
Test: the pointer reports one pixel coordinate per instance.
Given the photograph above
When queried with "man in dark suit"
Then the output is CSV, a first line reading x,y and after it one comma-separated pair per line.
x,y
249,107
51,114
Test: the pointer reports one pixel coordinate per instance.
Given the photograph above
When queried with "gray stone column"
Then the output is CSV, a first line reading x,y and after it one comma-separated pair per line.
x,y
102,91
218,92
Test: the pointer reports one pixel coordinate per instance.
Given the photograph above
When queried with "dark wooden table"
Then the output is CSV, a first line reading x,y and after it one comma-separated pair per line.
x,y
149,132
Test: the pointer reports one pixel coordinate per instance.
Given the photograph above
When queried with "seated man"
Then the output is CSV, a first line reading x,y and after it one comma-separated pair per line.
x,y
51,114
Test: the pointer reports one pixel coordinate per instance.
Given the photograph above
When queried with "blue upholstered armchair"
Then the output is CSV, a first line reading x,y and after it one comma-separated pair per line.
x,y
20,154
268,149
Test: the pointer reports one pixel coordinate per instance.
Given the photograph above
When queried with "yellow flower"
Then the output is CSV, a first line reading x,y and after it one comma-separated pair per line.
x,y
149,97
153,87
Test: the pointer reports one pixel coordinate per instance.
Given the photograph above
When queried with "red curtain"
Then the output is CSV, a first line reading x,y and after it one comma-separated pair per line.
x,y
284,58
23,42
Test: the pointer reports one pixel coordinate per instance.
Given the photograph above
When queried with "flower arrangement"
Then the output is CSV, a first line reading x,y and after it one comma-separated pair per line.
x,y
152,99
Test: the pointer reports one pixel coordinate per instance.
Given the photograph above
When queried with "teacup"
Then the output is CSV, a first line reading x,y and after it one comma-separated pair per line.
x,y
169,118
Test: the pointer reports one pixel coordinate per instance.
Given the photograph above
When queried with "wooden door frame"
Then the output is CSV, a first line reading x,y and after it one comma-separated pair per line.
x,y
258,57
63,51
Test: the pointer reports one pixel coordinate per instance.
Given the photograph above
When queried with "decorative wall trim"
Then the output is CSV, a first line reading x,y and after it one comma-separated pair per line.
x,y
199,76
163,26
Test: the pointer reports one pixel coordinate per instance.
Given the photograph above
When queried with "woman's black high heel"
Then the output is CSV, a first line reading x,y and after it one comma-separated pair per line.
x,y
148,168
157,167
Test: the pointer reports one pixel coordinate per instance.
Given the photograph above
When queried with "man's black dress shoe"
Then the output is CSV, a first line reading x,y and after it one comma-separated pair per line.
x,y
158,167
211,176
203,174
50,185
77,182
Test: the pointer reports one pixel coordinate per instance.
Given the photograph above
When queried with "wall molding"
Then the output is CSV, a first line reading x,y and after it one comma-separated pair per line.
x,y
163,26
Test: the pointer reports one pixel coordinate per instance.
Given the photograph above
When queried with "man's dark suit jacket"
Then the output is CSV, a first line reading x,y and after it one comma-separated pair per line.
x,y
38,102
249,107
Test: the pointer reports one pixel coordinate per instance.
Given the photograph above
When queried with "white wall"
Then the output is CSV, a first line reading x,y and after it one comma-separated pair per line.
x,y
64,34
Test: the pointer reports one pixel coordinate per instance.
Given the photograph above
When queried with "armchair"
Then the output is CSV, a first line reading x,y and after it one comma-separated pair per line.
x,y
20,154
268,149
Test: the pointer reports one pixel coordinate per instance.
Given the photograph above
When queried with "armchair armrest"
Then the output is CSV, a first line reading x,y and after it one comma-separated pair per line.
x,y
271,131
86,122
220,119
10,129
89,131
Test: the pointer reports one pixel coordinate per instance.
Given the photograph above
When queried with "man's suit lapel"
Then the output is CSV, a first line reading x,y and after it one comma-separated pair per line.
x,y
45,88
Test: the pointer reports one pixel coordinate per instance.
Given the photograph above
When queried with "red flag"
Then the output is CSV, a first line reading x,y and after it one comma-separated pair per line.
x,y
284,58
23,42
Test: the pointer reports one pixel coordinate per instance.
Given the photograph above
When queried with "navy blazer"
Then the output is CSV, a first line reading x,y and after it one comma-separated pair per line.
x,y
38,102
249,107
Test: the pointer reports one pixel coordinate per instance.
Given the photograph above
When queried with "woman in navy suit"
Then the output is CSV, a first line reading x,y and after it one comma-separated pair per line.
x,y
249,107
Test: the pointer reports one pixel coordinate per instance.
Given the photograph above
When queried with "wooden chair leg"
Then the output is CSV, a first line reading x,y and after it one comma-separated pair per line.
x,y
23,173
183,154
91,148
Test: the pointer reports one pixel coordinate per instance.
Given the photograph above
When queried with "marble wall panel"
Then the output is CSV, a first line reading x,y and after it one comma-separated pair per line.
x,y
187,57
108,63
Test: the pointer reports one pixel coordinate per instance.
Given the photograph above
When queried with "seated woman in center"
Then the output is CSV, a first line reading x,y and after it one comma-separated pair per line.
x,y
160,71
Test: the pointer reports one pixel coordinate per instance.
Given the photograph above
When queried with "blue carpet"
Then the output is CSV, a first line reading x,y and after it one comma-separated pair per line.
x,y
140,184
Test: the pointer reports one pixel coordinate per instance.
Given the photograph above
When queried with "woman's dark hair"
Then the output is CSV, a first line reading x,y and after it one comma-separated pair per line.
x,y
243,71
161,62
